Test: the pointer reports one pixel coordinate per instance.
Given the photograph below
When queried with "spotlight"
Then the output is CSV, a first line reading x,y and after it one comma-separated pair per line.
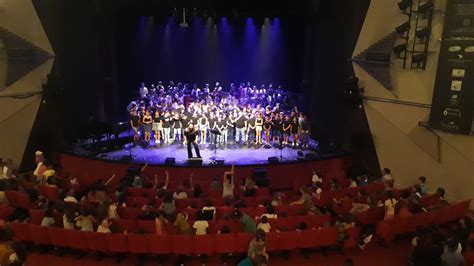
x,y
418,58
423,33
425,7
399,48
403,28
404,5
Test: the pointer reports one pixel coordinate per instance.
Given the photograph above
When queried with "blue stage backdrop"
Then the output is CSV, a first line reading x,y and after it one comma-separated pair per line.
x,y
207,51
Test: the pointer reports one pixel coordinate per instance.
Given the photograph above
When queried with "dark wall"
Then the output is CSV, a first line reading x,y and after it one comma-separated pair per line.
x,y
85,79
337,122
150,50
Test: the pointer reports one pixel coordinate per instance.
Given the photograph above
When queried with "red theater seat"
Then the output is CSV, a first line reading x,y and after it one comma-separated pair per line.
x,y
307,238
76,239
160,245
243,240
288,240
272,239
138,244
121,225
182,244
352,236
58,237
49,192
224,243
129,213
203,244
147,226
21,231
327,236
96,241
117,243
39,234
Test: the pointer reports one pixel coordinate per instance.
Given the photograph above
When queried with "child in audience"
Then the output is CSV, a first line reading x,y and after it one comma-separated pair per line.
x,y
70,196
270,213
160,222
85,221
201,225
264,225
209,211
68,218
422,184
104,227
389,205
182,225
48,219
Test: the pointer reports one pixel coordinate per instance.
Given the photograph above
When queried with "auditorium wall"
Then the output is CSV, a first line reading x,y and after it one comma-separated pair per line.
x,y
18,114
447,160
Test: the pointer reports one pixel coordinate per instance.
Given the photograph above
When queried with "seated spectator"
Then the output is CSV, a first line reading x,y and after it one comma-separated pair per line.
x,y
365,238
19,215
146,214
277,200
7,169
224,230
104,227
264,225
48,219
389,205
180,193
196,190
162,187
401,209
182,225
209,211
315,178
422,184
112,210
317,189
450,257
249,187
257,247
307,200
362,180
85,221
387,177
440,193
68,218
168,207
247,222
18,257
201,225
160,221
270,213
70,196
215,184
47,173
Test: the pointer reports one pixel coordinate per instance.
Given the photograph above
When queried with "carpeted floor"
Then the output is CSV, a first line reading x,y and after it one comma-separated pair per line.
x,y
372,256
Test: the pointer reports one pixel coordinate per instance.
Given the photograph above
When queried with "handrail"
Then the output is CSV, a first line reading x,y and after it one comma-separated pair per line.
x,y
407,103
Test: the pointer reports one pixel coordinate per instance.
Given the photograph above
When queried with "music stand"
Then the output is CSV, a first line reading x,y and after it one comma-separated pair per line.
x,y
215,133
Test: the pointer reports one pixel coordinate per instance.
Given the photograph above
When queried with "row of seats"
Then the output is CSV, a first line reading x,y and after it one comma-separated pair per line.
x,y
178,244
388,229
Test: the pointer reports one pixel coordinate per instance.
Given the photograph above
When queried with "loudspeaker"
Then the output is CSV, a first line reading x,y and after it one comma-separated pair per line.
x,y
170,161
260,177
273,160
195,161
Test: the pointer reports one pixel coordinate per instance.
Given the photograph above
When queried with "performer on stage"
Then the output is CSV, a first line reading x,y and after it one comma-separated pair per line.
x,y
135,123
191,134
258,128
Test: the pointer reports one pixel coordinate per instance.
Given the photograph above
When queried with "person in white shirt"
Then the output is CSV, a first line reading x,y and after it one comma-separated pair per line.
x,y
315,178
70,196
264,225
386,175
180,193
143,90
209,211
39,162
6,169
201,225
104,227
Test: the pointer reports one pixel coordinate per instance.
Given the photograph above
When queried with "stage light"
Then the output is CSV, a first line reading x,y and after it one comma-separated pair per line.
x,y
418,58
399,48
404,5
183,23
403,28
425,7
423,33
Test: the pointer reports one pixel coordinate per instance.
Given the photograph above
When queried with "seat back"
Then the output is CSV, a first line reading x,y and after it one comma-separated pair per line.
x,y
327,236
225,243
288,240
57,236
159,244
203,244
96,241
117,243
182,244
243,240
307,238
21,231
39,234
138,244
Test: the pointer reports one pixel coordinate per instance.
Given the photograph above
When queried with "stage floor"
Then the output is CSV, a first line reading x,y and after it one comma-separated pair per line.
x,y
237,154
232,154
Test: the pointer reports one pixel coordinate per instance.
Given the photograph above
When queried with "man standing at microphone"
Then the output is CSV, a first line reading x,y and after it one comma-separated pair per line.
x,y
191,134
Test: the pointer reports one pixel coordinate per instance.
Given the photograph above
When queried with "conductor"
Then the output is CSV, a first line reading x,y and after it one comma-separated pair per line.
x,y
191,134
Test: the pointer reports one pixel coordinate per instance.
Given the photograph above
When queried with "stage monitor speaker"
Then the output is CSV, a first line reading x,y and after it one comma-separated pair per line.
x,y
273,160
170,161
260,177
195,161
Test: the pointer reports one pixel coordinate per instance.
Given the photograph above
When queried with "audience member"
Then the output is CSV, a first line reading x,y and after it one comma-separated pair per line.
x,y
264,225
247,222
182,225
201,225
